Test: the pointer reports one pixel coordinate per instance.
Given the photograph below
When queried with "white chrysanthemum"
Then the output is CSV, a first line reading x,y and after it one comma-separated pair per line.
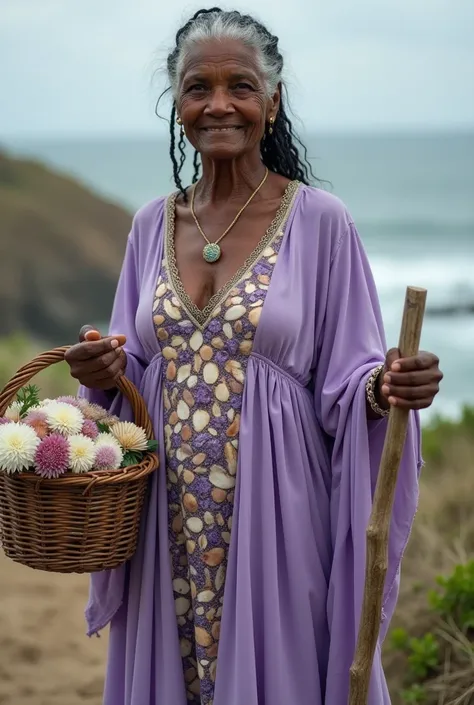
x,y
107,439
12,412
64,418
129,435
18,444
45,402
81,453
108,456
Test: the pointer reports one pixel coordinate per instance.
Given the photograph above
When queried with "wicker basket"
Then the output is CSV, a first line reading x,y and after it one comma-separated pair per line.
x,y
75,523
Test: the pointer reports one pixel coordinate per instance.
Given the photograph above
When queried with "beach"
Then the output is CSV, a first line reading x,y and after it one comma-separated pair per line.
x,y
46,658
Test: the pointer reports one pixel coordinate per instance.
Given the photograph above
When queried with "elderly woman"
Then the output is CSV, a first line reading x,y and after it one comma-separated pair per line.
x,y
247,315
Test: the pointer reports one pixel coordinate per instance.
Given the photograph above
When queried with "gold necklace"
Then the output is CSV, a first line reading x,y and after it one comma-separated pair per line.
x,y
212,251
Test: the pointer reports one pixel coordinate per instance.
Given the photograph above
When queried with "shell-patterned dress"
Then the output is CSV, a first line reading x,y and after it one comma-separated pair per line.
x,y
205,354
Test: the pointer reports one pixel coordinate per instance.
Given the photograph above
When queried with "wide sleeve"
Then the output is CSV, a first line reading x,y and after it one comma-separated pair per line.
x,y
123,320
106,588
350,344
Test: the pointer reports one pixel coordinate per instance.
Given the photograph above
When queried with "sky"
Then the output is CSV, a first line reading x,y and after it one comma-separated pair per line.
x,y
94,67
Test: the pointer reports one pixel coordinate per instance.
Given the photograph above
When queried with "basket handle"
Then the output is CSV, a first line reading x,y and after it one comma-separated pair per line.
x,y
51,357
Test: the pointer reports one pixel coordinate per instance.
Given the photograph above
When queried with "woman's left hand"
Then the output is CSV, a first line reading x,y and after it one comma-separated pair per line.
x,y
411,382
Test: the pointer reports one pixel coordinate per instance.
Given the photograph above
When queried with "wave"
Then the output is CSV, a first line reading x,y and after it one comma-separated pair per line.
x,y
457,224
443,277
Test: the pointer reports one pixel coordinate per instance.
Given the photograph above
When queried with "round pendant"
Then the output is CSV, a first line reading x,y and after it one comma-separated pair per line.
x,y
211,252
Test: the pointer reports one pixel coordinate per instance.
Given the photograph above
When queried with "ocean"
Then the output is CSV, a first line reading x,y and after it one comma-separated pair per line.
x,y
411,197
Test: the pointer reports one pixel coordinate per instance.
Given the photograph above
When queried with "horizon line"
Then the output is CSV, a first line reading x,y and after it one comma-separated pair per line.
x,y
136,136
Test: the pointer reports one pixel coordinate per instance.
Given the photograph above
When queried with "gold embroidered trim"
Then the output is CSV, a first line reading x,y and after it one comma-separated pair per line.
x,y
201,316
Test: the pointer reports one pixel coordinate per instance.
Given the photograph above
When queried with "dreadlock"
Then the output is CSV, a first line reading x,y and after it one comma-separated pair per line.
x,y
279,148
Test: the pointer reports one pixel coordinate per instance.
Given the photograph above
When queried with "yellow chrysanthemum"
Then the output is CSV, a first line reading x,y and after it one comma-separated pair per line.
x,y
129,435
81,453
64,418
18,444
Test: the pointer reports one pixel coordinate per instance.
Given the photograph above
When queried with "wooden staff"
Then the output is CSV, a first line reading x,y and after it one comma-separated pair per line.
x,y
379,524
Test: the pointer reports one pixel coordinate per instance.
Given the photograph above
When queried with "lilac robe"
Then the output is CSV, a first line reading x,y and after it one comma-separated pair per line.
x,y
306,472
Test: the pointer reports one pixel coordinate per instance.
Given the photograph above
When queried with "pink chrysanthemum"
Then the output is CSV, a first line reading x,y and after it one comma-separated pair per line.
x,y
39,425
89,429
52,456
69,399
36,415
108,457
93,412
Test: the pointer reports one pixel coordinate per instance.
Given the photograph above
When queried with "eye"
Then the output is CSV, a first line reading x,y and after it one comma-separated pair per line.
x,y
243,87
196,88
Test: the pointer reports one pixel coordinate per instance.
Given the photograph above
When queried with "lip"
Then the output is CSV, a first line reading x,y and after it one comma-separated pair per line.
x,y
219,129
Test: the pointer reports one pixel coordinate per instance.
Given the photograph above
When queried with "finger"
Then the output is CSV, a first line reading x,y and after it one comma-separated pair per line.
x,y
408,393
98,364
411,379
88,332
94,348
408,404
108,375
422,361
92,335
392,356
102,384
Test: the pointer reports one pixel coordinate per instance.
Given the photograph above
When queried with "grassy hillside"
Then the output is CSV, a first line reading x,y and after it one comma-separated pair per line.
x,y
429,654
61,249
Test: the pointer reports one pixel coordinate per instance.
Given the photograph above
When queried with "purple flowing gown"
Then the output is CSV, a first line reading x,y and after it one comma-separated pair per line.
x,y
247,584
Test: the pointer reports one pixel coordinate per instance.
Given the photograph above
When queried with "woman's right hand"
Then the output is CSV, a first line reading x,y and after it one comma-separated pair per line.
x,y
97,362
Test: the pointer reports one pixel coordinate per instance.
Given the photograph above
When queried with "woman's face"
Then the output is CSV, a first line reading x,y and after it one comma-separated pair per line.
x,y
222,100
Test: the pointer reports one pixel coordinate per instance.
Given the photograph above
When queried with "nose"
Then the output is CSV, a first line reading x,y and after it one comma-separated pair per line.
x,y
219,103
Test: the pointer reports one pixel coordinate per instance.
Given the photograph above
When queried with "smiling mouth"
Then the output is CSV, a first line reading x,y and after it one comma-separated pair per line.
x,y
218,130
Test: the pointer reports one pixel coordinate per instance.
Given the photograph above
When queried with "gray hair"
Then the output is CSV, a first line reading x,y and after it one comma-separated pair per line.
x,y
218,24
279,147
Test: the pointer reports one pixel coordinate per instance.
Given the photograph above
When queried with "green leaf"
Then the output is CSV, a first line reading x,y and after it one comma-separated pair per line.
x,y
131,457
455,597
399,639
103,427
152,445
415,695
28,397
424,657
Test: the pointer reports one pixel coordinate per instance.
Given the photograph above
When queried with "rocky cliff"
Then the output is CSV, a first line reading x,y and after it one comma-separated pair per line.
x,y
61,248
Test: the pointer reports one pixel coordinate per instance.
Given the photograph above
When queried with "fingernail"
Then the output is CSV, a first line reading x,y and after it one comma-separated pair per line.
x,y
387,379
119,350
396,367
114,343
385,390
392,401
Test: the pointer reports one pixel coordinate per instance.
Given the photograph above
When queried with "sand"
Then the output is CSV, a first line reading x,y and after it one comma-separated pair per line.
x,y
45,656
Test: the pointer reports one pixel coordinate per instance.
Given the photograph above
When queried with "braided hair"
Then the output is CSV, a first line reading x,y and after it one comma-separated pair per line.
x,y
279,148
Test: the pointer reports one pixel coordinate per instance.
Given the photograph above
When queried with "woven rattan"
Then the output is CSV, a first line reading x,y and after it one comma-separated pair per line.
x,y
76,523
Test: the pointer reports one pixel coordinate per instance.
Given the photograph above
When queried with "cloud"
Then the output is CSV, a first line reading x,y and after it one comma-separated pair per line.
x,y
80,67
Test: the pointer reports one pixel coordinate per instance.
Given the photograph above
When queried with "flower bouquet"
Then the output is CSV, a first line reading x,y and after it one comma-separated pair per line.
x,y
73,477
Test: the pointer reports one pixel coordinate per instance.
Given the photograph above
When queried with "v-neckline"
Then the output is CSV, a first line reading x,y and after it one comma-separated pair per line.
x,y
201,317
